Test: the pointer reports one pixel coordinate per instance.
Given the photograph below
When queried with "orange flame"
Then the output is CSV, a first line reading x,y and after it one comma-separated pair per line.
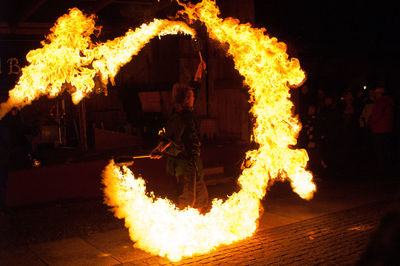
x,y
68,56
154,223
264,63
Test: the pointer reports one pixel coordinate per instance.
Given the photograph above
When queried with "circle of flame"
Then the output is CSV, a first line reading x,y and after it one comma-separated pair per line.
x,y
155,225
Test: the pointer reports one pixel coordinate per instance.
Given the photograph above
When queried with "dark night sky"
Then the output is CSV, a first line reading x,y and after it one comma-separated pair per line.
x,y
326,35
348,27
351,32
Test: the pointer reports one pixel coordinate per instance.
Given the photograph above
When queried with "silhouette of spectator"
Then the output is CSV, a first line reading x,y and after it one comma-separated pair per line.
x,y
20,148
305,100
312,140
368,105
364,121
359,102
384,245
349,113
329,125
349,124
381,123
320,100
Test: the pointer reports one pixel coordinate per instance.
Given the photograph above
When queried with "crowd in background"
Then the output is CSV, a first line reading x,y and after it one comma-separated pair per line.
x,y
354,134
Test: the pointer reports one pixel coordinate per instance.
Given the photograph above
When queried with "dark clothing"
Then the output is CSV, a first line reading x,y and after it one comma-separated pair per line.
x,y
381,124
311,141
18,146
15,149
192,189
329,121
183,162
310,134
305,100
3,185
383,152
5,143
182,130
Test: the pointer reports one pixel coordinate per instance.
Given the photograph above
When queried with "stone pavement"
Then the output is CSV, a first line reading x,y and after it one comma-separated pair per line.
x,y
334,228
336,239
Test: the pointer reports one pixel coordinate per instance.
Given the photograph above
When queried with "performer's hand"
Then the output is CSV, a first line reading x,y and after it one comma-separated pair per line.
x,y
156,154
202,67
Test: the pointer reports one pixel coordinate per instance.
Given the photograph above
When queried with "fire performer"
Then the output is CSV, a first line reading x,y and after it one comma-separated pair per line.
x,y
180,141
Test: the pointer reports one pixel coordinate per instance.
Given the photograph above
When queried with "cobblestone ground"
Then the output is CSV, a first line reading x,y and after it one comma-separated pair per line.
x,y
335,239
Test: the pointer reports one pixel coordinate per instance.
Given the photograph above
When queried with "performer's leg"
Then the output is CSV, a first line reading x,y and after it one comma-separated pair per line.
x,y
186,197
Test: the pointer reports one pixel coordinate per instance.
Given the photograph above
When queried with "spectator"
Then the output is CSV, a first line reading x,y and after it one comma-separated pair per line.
x,y
20,148
320,100
348,125
364,121
349,113
381,124
305,100
367,109
312,140
329,124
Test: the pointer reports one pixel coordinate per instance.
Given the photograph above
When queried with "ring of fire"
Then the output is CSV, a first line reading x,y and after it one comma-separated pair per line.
x,y
155,225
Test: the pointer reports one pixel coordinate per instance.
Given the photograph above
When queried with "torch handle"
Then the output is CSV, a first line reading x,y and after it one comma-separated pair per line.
x,y
127,160
141,156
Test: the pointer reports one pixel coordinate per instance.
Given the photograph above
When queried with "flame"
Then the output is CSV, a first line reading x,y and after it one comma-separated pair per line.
x,y
68,56
70,60
268,72
155,225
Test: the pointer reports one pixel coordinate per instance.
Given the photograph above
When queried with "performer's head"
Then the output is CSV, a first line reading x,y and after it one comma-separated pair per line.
x,y
379,93
182,97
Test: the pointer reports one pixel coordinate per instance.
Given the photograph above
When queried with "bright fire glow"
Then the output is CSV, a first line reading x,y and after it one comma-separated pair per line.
x,y
69,60
155,225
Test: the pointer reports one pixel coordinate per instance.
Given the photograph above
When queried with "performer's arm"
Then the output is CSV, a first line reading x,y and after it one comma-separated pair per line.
x,y
158,151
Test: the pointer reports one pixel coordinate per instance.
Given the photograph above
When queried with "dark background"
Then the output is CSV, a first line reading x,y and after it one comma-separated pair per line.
x,y
341,44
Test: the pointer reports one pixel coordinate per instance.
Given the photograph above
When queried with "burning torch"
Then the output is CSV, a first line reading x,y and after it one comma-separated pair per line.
x,y
156,153
128,160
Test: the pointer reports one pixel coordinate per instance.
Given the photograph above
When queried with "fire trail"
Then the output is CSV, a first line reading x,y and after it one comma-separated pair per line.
x,y
69,61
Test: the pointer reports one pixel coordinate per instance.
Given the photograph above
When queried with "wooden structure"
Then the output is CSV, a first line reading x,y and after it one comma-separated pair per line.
x,y
145,81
